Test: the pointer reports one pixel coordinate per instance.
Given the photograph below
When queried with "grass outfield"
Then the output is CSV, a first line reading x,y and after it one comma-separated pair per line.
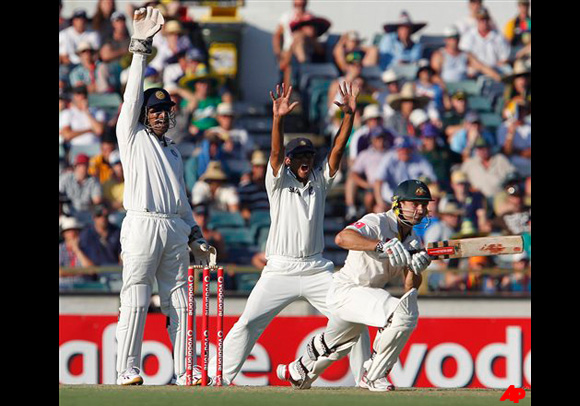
x,y
110,395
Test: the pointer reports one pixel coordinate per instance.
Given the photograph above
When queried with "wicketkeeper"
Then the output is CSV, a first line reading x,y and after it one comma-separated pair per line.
x,y
159,225
379,246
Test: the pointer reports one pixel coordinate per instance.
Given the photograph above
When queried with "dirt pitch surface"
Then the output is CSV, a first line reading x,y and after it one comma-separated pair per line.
x,y
111,395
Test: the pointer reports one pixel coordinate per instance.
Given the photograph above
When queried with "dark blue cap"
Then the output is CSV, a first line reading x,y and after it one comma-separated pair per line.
x,y
299,145
403,142
155,96
429,130
194,54
79,13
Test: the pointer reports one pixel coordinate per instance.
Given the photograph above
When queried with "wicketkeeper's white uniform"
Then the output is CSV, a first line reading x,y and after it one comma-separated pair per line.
x,y
357,299
154,234
295,270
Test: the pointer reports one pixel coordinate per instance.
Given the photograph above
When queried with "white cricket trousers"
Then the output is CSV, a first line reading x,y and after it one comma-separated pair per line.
x,y
270,296
154,247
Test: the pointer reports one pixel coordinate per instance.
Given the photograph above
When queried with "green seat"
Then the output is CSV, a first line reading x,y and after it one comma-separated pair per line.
x,y
221,219
105,100
260,217
471,87
245,281
93,286
237,236
479,103
262,237
490,120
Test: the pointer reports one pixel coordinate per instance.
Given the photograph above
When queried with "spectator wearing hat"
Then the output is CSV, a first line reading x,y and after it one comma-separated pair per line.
x,y
362,174
201,100
360,140
451,64
403,104
115,48
392,83
473,202
70,38
211,148
351,42
514,216
90,72
70,254
201,215
450,214
282,38
518,30
514,136
486,43
237,141
186,62
426,85
438,154
454,115
396,46
83,190
463,140
213,189
173,40
114,186
99,165
486,171
470,21
81,124
101,240
306,46
398,165
518,88
252,189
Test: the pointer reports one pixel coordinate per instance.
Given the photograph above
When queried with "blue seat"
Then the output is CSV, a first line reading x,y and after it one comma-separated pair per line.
x,y
490,120
307,71
90,150
245,281
221,219
371,72
471,87
109,102
408,71
260,217
237,236
479,103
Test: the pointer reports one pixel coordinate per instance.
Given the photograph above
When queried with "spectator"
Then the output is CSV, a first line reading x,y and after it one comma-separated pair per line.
x,y
463,140
101,241
470,22
102,19
451,64
306,46
172,41
425,85
115,48
441,158
151,78
70,38
114,186
81,124
486,171
360,139
485,43
201,215
514,136
212,189
397,166
392,82
454,117
350,42
518,30
473,203
202,102
396,46
65,208
403,104
252,191
70,254
62,22
282,38
514,217
211,148
83,190
90,72
518,88
99,165
477,280
519,280
237,142
363,172
190,62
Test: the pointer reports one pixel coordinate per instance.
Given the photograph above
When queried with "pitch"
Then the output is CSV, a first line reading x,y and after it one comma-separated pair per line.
x,y
88,395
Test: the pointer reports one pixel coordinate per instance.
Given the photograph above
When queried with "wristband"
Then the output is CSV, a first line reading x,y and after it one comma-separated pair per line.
x,y
380,246
141,46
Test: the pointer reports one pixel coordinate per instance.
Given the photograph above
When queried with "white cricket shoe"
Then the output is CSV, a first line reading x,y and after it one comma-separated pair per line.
x,y
378,385
290,373
130,377
195,378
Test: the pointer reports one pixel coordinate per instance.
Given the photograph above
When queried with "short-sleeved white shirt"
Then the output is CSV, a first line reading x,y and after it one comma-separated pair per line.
x,y
296,212
69,39
491,49
224,197
78,120
364,268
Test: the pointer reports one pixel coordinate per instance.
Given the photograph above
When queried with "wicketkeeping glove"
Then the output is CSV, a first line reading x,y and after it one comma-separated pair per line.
x,y
420,262
146,23
203,253
396,252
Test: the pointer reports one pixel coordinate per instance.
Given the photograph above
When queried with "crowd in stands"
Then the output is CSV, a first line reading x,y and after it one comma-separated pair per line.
x,y
453,110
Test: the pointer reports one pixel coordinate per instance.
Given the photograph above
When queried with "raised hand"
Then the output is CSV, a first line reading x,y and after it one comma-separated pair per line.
x,y
348,105
147,22
281,101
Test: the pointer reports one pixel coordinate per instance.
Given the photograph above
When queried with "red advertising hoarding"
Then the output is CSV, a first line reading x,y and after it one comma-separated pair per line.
x,y
442,352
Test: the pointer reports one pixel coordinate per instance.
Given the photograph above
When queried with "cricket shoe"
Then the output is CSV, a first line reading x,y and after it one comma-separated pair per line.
x,y
295,373
195,378
378,385
130,377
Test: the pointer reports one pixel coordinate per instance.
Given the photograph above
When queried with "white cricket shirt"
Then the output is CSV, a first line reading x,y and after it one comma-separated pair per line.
x,y
153,168
296,232
364,268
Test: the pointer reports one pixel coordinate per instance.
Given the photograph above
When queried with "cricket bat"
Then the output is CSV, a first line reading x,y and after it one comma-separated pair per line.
x,y
473,247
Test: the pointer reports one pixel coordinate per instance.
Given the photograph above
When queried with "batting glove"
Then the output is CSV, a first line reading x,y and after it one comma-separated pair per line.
x,y
396,253
203,253
146,23
420,262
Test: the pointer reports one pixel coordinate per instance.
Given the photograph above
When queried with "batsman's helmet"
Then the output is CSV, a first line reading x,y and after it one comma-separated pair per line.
x,y
411,189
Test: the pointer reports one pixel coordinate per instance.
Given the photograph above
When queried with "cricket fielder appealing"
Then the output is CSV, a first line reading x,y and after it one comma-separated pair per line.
x,y
159,224
378,245
296,268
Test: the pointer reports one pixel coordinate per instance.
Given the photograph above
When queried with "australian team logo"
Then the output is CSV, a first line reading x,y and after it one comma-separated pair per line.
x,y
420,192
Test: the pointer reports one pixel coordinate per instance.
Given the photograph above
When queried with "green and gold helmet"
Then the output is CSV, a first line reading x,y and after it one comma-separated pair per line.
x,y
411,189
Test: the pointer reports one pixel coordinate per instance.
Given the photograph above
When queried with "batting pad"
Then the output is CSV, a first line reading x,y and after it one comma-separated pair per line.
x,y
390,342
177,328
131,326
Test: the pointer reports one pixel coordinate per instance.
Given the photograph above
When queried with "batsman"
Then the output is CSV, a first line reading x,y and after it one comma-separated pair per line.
x,y
159,230
379,246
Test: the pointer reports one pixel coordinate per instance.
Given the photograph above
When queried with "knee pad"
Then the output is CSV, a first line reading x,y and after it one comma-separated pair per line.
x,y
321,356
131,326
391,340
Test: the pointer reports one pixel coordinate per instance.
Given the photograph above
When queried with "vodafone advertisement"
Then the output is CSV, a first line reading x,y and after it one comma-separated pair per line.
x,y
442,352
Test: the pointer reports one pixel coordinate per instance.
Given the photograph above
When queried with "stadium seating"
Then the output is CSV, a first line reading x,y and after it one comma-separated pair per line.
x,y
471,87
237,236
479,103
245,281
221,219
